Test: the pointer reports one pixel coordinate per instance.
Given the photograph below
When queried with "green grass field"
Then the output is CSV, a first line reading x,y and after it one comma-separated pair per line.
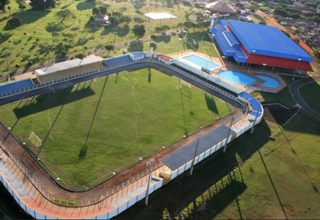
x,y
102,126
309,93
254,180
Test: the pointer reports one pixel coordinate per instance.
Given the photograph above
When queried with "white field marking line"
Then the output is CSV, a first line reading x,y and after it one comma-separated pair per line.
x,y
48,116
291,118
135,113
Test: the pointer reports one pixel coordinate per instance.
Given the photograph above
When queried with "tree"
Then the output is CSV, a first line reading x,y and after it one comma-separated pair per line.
x,y
22,6
123,9
103,10
64,14
95,11
126,19
39,4
139,30
316,53
14,22
158,29
296,40
109,47
3,4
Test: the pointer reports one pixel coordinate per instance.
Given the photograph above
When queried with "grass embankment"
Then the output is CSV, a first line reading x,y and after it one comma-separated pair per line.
x,y
102,126
310,94
257,178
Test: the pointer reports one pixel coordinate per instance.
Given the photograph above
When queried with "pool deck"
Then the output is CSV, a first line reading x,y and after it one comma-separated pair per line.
x,y
256,86
215,60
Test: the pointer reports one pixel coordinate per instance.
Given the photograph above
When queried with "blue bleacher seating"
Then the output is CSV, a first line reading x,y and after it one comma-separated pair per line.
x,y
16,85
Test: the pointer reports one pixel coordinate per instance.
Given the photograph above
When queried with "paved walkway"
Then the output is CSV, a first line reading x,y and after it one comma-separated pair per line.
x,y
295,93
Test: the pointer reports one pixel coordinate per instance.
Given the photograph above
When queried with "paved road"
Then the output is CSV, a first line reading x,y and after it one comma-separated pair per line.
x,y
295,93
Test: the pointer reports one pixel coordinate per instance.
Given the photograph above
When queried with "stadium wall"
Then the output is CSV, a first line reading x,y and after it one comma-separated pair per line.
x,y
276,61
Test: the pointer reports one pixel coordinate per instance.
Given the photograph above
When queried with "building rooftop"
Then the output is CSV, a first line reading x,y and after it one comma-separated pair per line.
x,y
68,65
267,40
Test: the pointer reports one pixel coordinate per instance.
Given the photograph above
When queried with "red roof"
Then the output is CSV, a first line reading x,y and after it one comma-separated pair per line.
x,y
164,57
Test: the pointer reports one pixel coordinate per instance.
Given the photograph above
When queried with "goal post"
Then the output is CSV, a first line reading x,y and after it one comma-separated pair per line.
x,y
35,140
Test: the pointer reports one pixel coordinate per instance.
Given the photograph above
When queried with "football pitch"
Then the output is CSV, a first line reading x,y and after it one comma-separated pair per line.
x,y
105,125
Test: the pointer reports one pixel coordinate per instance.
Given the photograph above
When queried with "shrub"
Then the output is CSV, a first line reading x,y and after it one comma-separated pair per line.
x,y
14,22
79,55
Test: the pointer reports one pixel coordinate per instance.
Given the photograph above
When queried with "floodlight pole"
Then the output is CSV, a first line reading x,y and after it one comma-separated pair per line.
x,y
114,42
149,163
194,156
45,12
225,146
255,119
296,69
253,51
83,39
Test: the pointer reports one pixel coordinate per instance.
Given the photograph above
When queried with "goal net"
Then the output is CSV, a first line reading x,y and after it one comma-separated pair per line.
x,y
35,140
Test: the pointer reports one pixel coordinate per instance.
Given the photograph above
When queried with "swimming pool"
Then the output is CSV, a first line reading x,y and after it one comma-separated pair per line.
x,y
237,77
269,82
199,61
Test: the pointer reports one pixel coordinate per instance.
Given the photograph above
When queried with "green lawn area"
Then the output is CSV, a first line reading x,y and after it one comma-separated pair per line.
x,y
250,181
41,28
309,94
106,125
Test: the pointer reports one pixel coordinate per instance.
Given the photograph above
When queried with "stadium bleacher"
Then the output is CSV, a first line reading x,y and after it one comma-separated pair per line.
x,y
9,87
117,60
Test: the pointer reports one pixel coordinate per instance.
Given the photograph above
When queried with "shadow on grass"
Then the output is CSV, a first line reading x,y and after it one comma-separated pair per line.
x,y
211,103
190,44
216,183
138,20
83,150
45,102
165,38
135,46
30,16
85,5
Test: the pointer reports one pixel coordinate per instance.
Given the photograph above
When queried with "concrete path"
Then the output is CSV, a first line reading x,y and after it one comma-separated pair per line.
x,y
295,93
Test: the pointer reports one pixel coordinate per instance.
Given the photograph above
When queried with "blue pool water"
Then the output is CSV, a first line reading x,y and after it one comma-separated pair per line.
x,y
236,77
201,62
269,82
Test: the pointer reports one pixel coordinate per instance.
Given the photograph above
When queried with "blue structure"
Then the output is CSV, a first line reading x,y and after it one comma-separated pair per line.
x,y
17,85
267,40
259,44
117,60
228,43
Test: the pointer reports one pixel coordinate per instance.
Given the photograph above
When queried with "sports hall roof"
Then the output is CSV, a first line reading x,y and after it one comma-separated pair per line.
x,y
267,40
185,154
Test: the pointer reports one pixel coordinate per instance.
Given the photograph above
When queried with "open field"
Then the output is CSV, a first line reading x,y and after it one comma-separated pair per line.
x,y
106,125
42,31
250,181
311,94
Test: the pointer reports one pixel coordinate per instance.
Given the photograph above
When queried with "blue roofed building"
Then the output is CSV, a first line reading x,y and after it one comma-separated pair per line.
x,y
259,44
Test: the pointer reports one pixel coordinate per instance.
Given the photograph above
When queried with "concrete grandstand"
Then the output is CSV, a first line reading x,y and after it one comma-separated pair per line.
x,y
68,68
249,43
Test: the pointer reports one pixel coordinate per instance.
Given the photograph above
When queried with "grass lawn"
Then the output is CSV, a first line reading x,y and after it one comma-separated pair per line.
x,y
256,179
309,92
108,124
41,28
